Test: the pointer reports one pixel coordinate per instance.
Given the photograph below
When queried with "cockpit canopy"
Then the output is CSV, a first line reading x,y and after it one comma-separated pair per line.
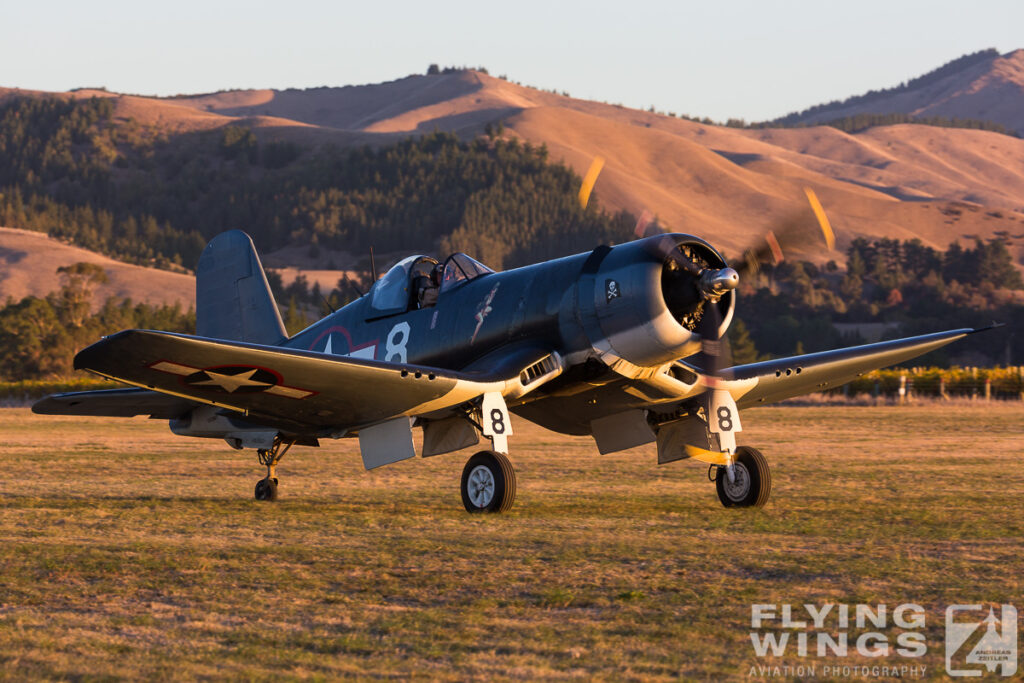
x,y
396,292
459,268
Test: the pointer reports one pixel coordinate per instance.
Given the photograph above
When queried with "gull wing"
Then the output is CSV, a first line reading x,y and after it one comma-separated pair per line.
x,y
305,389
783,378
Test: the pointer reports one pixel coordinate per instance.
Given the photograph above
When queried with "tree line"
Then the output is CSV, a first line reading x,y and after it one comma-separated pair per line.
x,y
68,168
933,76
790,308
39,336
782,310
861,122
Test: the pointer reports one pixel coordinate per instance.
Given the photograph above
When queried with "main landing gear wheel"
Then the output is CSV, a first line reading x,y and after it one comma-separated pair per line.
x,y
752,481
266,488
488,483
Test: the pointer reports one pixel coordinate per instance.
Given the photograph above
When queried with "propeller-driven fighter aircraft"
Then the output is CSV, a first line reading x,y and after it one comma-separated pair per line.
x,y
623,343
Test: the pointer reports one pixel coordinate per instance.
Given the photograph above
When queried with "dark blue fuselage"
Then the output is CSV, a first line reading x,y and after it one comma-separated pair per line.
x,y
470,319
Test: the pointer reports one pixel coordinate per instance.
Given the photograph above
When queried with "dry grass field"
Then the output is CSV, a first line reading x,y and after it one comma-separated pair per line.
x,y
130,553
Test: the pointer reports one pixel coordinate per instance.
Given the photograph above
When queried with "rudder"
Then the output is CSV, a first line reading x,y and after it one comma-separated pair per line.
x,y
233,298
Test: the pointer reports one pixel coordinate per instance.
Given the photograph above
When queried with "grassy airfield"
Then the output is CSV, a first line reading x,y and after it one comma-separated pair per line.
x,y
128,552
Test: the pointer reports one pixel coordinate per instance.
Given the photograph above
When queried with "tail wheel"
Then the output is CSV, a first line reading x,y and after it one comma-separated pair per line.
x,y
752,480
266,489
488,483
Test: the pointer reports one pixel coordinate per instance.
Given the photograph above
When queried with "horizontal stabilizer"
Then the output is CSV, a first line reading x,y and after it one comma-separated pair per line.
x,y
127,402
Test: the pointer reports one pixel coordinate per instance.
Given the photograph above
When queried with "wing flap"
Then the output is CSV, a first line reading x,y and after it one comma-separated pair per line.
x,y
302,387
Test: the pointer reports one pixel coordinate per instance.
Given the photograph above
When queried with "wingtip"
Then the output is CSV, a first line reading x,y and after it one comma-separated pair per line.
x,y
47,405
994,326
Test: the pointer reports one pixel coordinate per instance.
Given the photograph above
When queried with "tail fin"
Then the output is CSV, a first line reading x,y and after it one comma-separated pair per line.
x,y
233,299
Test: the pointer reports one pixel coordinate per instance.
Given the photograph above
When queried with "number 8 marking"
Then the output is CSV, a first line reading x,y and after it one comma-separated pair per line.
x,y
395,347
497,421
724,418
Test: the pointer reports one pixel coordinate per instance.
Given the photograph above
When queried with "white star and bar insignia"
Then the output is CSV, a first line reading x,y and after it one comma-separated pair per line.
x,y
231,379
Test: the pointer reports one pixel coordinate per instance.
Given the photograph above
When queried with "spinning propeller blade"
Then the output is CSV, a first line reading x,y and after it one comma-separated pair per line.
x,y
819,213
668,250
715,352
588,180
788,234
689,274
643,223
710,457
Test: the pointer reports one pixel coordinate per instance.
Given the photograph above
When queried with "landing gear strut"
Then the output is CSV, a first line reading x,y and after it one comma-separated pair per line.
x,y
488,483
266,488
751,483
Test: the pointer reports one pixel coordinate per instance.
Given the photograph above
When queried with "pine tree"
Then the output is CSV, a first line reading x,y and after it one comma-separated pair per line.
x,y
741,344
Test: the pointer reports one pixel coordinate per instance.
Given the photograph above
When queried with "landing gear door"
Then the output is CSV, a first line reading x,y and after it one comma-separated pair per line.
x,y
495,422
723,419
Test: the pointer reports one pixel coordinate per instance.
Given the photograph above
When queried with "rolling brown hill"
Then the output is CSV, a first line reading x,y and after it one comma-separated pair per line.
x,y
985,86
29,262
726,184
729,184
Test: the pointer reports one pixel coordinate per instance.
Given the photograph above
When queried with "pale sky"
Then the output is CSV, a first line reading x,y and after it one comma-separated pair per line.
x,y
742,58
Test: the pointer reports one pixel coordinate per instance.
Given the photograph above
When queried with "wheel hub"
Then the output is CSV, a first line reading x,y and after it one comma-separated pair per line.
x,y
481,486
738,489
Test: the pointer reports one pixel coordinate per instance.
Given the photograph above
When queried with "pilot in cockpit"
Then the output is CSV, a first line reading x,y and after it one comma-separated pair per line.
x,y
427,287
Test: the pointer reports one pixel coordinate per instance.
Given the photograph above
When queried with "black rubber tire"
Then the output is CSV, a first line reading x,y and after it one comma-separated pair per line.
x,y
504,482
750,463
266,489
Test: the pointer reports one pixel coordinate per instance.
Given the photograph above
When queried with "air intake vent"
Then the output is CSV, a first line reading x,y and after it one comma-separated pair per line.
x,y
542,368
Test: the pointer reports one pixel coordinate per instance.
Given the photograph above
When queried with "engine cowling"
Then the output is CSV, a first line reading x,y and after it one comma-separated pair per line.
x,y
638,305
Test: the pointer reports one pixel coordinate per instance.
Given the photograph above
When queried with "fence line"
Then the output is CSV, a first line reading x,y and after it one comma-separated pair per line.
x,y
904,384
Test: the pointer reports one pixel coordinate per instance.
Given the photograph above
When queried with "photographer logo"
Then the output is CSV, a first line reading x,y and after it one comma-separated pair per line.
x,y
979,643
